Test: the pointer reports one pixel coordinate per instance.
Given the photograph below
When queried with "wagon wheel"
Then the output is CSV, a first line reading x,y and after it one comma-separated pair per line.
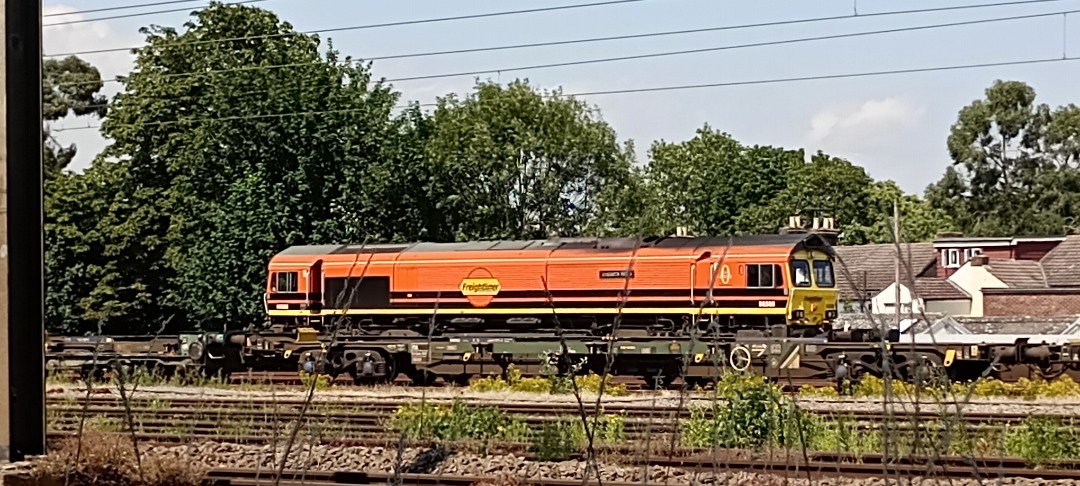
x,y
929,373
740,358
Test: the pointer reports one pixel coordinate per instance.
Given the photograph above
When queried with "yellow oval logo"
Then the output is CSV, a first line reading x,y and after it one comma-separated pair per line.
x,y
725,274
480,286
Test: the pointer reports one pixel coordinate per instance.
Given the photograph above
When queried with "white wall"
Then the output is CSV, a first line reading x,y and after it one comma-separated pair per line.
x,y
949,307
973,280
884,302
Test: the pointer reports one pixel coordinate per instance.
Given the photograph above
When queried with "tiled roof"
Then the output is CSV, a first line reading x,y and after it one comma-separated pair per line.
x,y
936,288
865,270
1018,274
1062,264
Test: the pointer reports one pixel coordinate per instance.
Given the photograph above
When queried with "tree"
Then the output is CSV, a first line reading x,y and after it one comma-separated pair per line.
x,y
826,183
919,220
250,141
513,162
706,182
68,86
104,258
1014,166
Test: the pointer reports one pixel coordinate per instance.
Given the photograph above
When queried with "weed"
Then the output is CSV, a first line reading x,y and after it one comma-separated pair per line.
x,y
109,459
322,382
1041,441
456,421
551,384
555,441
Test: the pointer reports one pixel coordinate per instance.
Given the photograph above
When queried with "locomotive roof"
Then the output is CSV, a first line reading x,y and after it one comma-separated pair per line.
x,y
615,244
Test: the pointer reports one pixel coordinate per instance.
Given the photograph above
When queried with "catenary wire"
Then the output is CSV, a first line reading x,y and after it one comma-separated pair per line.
x,y
743,26
396,24
628,90
624,58
598,39
140,14
120,7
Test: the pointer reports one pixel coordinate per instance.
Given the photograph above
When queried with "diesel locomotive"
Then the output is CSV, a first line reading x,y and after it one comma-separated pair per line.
x,y
661,286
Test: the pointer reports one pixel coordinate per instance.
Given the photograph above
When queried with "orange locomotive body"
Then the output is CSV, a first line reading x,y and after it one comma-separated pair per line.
x,y
655,285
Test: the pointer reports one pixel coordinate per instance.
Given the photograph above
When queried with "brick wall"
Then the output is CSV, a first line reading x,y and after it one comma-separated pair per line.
x,y
1040,302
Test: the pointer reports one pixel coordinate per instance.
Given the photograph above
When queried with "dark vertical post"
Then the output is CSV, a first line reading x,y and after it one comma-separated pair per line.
x,y
22,306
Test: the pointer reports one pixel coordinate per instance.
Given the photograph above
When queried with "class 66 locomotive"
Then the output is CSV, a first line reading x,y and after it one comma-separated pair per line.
x,y
660,286
458,309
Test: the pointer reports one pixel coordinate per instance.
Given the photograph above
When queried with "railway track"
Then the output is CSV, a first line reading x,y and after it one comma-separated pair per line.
x,y
254,421
813,466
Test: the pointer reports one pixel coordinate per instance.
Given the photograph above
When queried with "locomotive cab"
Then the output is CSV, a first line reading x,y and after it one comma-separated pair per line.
x,y
294,287
813,290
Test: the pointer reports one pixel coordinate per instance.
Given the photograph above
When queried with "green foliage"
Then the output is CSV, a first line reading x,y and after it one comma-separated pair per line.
x,y
1015,167
1042,441
705,183
751,413
554,441
320,381
104,256
551,384
558,439
455,422
514,163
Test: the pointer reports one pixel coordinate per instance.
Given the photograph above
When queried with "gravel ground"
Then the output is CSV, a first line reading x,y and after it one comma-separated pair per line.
x,y
1070,405
319,457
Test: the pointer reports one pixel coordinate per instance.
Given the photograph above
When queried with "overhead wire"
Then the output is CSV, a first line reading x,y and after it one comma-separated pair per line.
x,y
388,24
626,91
708,29
140,14
534,67
120,7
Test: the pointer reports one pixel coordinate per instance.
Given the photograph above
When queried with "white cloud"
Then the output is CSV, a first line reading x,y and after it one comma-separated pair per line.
x,y
88,36
862,125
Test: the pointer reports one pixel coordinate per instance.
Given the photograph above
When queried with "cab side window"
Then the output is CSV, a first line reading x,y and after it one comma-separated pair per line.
x,y
285,282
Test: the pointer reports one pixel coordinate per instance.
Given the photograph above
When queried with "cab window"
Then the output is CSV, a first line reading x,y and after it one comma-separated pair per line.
x,y
800,273
823,273
284,282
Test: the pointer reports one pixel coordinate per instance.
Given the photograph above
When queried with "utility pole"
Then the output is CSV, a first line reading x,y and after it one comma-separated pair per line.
x,y
896,238
22,307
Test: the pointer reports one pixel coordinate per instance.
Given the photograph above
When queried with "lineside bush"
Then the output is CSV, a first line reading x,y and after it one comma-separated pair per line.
x,y
457,421
751,413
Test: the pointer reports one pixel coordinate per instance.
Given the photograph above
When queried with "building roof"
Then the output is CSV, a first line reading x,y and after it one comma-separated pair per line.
x,y
969,241
934,288
1017,274
1062,264
865,270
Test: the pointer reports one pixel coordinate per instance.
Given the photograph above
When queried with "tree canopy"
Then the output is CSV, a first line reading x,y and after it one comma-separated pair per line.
x,y
1015,168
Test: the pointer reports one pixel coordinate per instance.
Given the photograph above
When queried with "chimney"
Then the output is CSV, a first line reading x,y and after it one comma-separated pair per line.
x,y
980,260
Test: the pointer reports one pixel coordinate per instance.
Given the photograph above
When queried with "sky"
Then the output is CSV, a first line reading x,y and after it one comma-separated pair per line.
x,y
893,125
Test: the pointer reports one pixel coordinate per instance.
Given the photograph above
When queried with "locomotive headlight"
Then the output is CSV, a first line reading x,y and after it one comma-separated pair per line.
x,y
798,314
830,314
